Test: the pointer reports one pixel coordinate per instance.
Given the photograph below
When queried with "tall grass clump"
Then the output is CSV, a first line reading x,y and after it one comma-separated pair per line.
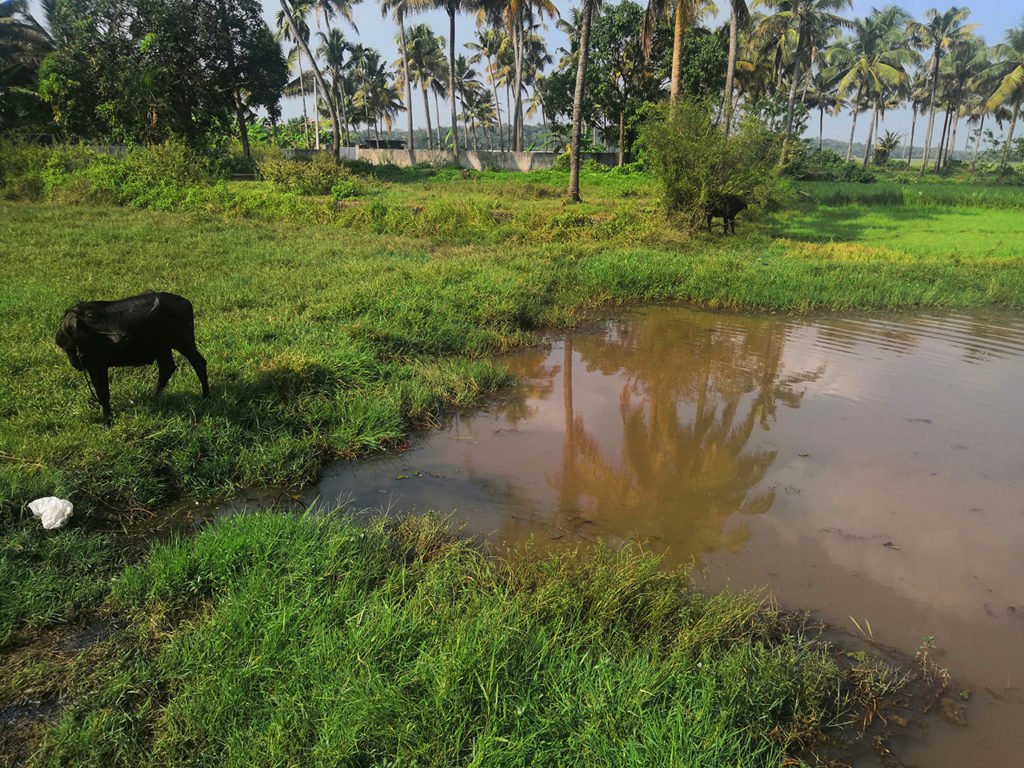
x,y
282,640
686,151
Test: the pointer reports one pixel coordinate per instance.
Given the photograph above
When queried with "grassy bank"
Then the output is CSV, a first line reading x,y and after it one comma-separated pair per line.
x,y
281,640
332,340
332,327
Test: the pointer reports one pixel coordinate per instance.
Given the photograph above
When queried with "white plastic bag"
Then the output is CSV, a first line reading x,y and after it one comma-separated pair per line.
x,y
53,512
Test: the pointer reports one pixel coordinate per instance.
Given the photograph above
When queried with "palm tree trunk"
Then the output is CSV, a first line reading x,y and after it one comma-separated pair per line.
x,y
451,80
871,135
790,106
426,110
677,50
577,102
517,59
335,134
913,127
730,70
316,115
1009,133
497,104
977,142
305,115
408,82
853,128
821,128
931,113
437,113
951,148
942,141
342,98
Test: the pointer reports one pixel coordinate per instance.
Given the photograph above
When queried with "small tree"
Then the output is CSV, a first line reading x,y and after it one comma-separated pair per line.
x,y
885,147
694,160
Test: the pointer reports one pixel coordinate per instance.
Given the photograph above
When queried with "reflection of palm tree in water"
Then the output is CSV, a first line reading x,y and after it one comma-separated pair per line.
x,y
692,393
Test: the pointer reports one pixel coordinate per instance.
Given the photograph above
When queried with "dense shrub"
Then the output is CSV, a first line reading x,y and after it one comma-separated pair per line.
x,y
828,166
317,176
692,159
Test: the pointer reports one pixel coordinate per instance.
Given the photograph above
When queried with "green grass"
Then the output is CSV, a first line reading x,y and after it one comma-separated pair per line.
x,y
48,578
331,330
280,640
334,339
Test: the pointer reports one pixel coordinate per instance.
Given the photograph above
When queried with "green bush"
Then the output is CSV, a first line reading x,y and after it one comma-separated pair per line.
x,y
828,166
316,176
343,189
686,151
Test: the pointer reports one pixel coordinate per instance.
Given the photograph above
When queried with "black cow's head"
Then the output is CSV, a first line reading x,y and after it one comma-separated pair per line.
x,y
67,338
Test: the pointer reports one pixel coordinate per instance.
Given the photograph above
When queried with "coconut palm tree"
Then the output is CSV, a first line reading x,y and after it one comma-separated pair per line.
x,y
336,54
961,67
24,43
452,8
520,18
292,10
590,9
294,58
1009,71
739,16
398,10
426,62
681,14
487,48
873,62
466,82
794,31
939,33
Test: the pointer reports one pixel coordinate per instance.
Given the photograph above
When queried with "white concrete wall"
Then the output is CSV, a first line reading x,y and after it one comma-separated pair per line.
x,y
482,160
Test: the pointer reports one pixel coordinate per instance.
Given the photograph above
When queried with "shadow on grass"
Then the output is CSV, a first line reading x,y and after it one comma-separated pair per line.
x,y
846,224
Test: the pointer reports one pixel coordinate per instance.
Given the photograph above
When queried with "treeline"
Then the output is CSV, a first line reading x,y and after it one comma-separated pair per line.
x,y
142,71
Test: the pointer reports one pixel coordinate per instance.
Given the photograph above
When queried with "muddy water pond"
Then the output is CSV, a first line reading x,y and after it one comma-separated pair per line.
x,y
870,470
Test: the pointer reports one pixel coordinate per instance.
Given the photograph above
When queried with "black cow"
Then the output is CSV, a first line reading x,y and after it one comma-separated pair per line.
x,y
98,335
725,207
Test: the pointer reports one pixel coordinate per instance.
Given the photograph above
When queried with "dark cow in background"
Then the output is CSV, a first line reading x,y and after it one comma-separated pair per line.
x,y
724,207
99,335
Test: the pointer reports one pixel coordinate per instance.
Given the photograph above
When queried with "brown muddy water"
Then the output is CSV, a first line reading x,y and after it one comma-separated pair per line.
x,y
867,469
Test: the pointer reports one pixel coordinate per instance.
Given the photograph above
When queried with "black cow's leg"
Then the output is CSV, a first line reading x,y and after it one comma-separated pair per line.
x,y
101,383
198,363
165,362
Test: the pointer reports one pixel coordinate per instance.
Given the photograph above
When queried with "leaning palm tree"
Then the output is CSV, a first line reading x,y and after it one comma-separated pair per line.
x,y
294,58
1009,72
938,34
291,10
